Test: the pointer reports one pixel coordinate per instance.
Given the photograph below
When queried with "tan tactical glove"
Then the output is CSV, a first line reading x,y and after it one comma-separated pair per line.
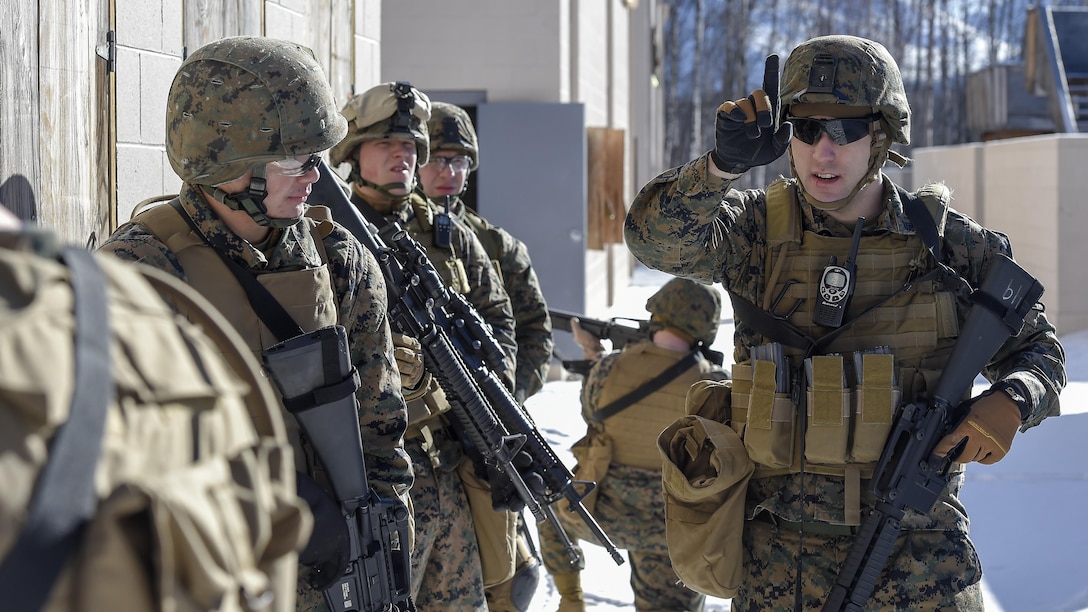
x,y
409,355
749,132
987,432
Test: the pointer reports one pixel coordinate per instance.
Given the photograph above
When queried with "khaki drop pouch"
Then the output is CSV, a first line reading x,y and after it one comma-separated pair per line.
x,y
705,477
496,532
206,533
593,454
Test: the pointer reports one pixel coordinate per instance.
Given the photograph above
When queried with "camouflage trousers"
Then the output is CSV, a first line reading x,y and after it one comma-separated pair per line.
x,y
927,570
446,572
631,513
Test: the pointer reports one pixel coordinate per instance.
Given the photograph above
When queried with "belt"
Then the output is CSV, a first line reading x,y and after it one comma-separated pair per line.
x,y
813,527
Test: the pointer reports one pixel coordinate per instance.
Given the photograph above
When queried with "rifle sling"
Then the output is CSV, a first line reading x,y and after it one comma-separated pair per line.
x,y
65,498
655,383
267,307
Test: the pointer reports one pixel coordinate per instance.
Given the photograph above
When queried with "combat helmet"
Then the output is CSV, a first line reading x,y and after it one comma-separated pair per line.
x,y
389,110
847,76
691,307
241,102
451,129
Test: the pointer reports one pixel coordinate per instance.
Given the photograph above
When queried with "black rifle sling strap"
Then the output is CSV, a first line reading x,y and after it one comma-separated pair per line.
x,y
655,383
64,498
267,307
923,222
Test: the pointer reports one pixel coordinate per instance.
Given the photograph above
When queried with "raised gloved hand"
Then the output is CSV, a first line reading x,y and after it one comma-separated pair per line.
x,y
409,355
748,132
987,431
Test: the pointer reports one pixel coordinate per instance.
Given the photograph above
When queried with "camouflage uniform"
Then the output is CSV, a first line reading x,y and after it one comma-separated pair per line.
x,y
628,496
446,569
236,106
690,223
533,330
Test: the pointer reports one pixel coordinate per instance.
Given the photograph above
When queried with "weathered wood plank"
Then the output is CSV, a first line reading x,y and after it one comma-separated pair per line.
x,y
208,20
19,169
74,193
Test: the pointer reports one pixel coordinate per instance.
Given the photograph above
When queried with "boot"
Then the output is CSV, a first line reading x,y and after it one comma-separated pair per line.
x,y
570,589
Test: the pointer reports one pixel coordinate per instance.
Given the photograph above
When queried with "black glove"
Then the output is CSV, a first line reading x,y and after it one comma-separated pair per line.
x,y
747,132
504,495
327,552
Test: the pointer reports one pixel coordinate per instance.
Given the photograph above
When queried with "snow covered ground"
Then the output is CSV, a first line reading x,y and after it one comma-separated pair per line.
x,y
1025,510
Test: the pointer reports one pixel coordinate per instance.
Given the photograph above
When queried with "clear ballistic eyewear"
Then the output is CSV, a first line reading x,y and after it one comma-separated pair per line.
x,y
456,163
296,166
841,131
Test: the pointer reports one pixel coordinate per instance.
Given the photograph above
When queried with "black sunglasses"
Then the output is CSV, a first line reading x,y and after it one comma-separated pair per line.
x,y
841,131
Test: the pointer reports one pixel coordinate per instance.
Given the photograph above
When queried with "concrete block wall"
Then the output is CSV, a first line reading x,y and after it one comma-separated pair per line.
x,y
150,47
1032,190
149,50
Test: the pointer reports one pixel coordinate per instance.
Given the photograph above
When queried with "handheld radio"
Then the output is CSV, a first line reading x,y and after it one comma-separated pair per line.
x,y
443,227
837,285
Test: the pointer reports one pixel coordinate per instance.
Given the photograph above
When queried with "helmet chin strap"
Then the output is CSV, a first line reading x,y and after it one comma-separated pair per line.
x,y
251,201
386,189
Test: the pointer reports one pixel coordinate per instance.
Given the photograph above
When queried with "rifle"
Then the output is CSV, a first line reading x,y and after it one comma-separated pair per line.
x,y
377,575
619,334
463,356
908,475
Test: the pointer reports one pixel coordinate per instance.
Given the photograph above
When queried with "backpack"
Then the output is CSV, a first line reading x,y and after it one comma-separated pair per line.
x,y
194,504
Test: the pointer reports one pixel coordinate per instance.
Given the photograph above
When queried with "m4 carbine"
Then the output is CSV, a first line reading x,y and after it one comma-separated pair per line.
x,y
462,354
314,373
620,334
908,476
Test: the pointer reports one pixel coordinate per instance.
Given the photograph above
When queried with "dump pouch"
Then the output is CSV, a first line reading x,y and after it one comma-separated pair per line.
x,y
496,532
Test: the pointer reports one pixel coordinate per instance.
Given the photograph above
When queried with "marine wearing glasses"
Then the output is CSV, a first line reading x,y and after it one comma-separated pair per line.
x,y
456,163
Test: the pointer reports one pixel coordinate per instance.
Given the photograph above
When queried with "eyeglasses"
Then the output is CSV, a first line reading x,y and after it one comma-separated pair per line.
x,y
456,163
841,131
296,166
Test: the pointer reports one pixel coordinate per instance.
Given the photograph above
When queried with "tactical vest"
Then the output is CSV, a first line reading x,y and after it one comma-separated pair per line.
x,y
634,429
850,390
445,260
307,295
188,442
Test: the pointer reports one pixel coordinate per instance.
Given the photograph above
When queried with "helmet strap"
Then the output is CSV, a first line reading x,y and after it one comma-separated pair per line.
x,y
386,189
251,201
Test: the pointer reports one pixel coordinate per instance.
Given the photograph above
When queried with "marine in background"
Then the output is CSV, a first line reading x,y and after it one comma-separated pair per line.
x,y
386,142
628,397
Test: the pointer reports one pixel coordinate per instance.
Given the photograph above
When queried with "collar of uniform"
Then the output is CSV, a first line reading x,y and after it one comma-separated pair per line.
x,y
891,217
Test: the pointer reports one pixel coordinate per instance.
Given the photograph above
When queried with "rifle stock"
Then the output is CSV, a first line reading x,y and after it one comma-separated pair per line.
x,y
908,475
463,356
377,577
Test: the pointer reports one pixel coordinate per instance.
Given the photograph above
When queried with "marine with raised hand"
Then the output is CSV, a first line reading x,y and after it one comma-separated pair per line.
x,y
823,360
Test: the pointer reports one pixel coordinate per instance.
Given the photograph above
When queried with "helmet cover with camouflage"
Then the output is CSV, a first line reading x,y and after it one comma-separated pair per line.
x,y
451,129
388,110
849,77
691,307
240,102
862,73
